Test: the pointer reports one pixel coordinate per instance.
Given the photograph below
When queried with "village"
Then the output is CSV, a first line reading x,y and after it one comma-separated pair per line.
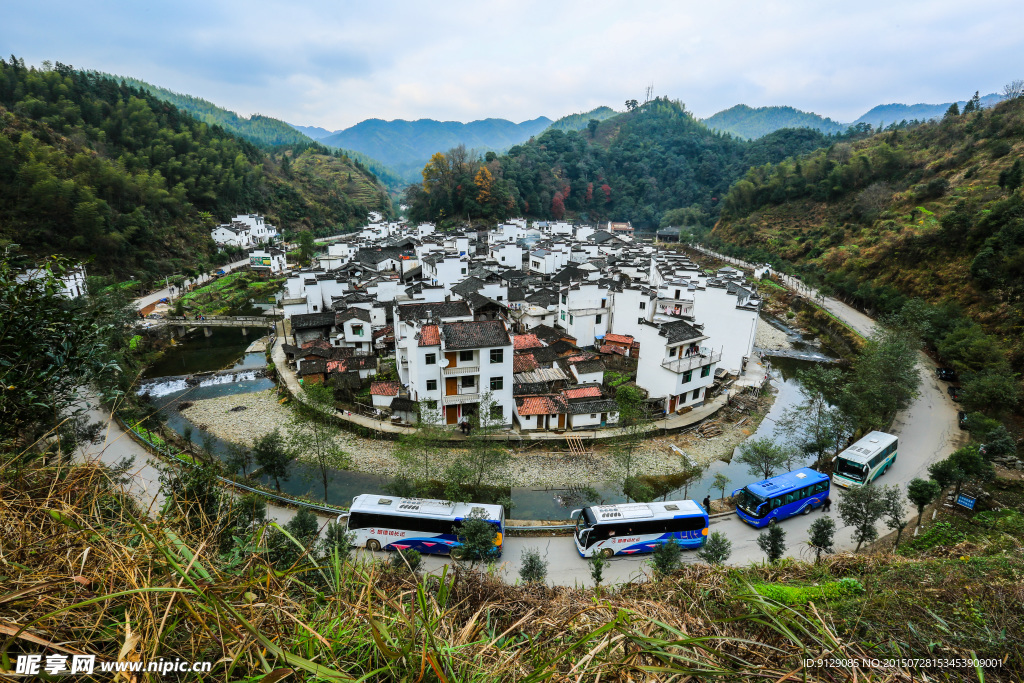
x,y
536,323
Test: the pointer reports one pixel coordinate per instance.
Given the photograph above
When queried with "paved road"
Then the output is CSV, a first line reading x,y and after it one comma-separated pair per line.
x,y
927,431
152,298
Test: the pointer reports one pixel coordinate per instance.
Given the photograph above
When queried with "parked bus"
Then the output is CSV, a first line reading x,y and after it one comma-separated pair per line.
x,y
766,502
419,524
866,460
626,529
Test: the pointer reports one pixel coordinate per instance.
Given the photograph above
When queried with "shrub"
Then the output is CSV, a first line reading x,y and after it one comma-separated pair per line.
x,y
533,569
409,557
716,550
666,559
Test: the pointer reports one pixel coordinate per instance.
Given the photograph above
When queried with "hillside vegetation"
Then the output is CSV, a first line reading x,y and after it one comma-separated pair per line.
x,y
263,131
632,167
932,214
95,169
581,121
749,123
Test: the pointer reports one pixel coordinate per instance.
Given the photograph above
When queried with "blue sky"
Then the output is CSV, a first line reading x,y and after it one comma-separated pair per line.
x,y
333,64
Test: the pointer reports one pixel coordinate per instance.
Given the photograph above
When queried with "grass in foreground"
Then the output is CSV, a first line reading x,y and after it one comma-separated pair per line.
x,y
83,570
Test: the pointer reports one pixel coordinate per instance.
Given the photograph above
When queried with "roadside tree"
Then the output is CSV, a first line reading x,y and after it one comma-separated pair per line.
x,y
720,482
861,507
273,457
717,549
477,537
773,542
763,457
533,569
666,559
922,493
895,511
314,432
821,536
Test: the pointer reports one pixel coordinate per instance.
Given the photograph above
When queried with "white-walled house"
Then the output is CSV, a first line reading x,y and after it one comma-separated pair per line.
x,y
268,260
584,311
673,366
72,281
507,255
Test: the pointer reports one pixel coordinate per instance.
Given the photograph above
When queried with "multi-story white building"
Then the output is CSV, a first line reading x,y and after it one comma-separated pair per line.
x,y
584,311
673,366
269,260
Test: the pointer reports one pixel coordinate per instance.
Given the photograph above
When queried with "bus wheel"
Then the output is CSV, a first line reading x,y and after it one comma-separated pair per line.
x,y
457,553
607,553
807,510
373,544
771,522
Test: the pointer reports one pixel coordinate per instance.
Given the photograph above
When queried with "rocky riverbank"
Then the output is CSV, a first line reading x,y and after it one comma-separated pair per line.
x,y
262,414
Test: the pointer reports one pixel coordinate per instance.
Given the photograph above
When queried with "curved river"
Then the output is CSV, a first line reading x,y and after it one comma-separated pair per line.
x,y
197,353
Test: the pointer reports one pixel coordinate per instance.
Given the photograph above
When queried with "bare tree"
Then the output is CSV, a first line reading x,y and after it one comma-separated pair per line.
x,y
1013,89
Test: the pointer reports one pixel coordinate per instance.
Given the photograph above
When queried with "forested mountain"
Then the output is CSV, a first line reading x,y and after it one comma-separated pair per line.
x,y
261,130
405,146
314,132
581,121
632,167
935,212
884,114
97,169
749,123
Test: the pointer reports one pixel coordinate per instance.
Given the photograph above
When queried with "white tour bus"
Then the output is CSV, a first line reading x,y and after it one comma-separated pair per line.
x,y
866,460
419,524
630,528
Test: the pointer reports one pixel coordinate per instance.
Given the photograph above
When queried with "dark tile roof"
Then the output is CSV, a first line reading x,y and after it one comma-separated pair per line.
x,y
313,367
547,334
468,286
514,275
437,309
589,366
306,321
476,334
678,331
402,404
570,273
516,294
372,257
545,355
562,347
349,314
530,388
607,405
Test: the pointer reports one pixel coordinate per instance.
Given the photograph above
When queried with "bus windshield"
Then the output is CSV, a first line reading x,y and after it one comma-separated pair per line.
x,y
850,470
751,503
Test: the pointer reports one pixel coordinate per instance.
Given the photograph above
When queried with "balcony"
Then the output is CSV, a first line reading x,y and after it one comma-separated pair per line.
x,y
681,365
462,370
459,399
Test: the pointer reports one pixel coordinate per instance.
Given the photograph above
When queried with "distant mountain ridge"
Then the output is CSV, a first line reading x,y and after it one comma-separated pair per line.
x,y
894,113
750,124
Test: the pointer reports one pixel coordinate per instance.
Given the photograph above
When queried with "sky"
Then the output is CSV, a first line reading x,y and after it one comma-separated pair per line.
x,y
333,64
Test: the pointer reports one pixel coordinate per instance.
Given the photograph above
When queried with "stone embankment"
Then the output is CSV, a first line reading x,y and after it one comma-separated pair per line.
x,y
530,467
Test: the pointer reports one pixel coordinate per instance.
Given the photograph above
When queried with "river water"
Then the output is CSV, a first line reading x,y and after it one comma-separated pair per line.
x,y
226,350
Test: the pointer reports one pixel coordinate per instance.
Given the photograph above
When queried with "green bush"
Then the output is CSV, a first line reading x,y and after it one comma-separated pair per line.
x,y
799,595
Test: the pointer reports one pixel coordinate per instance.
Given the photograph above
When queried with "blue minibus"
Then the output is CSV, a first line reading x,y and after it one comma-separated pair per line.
x,y
766,502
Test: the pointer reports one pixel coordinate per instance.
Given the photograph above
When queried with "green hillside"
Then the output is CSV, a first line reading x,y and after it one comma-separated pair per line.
x,y
261,130
96,169
581,121
749,123
933,213
634,167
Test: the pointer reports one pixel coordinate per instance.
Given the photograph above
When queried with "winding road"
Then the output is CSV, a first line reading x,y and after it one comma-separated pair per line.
x,y
927,429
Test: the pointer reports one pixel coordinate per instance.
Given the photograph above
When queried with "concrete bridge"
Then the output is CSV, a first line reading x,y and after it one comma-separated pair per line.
x,y
181,324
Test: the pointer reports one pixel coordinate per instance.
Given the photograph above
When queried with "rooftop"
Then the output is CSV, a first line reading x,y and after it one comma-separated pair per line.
x,y
475,334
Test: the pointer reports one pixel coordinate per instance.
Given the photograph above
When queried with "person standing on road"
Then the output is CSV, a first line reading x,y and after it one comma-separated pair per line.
x,y
707,503
827,505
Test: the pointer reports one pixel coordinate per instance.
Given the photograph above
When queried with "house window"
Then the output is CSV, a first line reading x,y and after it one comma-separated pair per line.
x,y
431,359
500,297
463,271
705,371
468,381
466,356
687,376
431,404
564,300
497,383
357,330
431,385
570,318
314,308
598,320
497,355
563,315
696,394
643,305
593,416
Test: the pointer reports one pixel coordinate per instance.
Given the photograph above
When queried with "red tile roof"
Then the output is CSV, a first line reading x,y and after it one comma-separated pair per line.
x,y
608,348
337,366
384,388
619,338
524,362
317,344
429,336
583,392
541,405
526,341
